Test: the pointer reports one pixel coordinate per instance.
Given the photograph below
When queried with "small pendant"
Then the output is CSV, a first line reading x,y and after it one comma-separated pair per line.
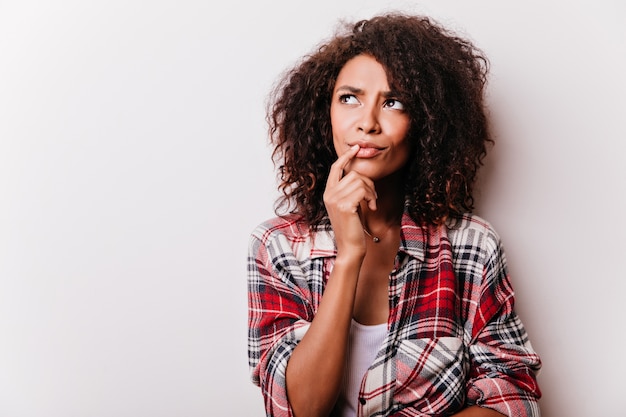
x,y
376,239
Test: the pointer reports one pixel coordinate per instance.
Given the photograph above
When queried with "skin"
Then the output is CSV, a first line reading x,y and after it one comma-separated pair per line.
x,y
363,190
366,191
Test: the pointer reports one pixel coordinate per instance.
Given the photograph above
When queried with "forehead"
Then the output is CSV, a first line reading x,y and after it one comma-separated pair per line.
x,y
363,71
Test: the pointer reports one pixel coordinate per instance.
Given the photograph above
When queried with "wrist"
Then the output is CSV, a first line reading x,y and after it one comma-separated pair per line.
x,y
349,259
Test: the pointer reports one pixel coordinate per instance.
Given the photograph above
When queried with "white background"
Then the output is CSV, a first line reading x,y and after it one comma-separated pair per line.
x,y
134,164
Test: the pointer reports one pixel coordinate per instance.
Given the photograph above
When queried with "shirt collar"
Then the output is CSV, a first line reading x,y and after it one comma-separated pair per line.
x,y
413,239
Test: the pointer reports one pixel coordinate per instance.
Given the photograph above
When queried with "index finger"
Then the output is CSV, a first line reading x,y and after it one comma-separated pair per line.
x,y
336,169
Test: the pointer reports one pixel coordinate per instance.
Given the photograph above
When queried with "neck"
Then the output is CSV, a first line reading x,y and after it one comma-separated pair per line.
x,y
390,206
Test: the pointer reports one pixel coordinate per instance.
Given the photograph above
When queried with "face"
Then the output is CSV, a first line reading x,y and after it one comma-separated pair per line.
x,y
364,111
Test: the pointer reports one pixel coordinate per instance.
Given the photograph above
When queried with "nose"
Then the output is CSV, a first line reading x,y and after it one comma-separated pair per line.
x,y
368,122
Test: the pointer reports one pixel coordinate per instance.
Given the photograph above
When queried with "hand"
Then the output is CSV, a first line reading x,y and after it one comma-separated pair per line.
x,y
343,197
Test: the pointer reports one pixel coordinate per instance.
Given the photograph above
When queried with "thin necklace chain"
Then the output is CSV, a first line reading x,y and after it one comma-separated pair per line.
x,y
375,239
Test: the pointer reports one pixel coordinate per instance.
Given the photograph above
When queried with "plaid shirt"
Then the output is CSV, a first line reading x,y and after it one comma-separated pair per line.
x,y
453,337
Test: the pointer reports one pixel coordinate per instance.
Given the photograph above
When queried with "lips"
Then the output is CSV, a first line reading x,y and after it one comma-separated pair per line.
x,y
366,153
367,150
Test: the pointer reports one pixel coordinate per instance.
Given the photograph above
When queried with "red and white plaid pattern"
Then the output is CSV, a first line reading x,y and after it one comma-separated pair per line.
x,y
453,336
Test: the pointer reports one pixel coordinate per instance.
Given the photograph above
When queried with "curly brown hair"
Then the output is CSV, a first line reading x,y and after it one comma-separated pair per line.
x,y
440,78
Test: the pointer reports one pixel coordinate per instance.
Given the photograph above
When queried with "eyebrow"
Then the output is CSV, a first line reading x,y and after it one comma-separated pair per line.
x,y
355,90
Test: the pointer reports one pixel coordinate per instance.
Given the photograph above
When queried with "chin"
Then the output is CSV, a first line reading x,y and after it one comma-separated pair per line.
x,y
372,174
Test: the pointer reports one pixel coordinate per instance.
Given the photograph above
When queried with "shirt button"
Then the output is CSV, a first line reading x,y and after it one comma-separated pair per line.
x,y
362,401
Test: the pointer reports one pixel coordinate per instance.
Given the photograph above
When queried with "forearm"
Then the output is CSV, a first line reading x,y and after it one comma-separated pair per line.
x,y
476,411
315,370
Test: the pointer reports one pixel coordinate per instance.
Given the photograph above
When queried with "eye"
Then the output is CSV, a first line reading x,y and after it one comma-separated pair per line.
x,y
394,104
348,99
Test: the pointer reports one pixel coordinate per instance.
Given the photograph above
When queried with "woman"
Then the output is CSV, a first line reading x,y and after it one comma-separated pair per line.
x,y
376,292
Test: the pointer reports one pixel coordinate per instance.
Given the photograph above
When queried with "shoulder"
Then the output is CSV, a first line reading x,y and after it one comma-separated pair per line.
x,y
289,235
289,227
470,230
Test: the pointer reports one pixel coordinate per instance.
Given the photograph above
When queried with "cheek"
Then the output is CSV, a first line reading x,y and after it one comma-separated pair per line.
x,y
404,145
402,152
338,121
333,122
404,127
340,128
396,124
337,139
399,130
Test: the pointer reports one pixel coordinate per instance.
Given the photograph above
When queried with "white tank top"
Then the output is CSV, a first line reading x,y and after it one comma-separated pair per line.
x,y
365,341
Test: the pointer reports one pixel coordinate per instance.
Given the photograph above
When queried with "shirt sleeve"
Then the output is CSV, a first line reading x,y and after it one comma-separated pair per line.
x,y
503,364
279,313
